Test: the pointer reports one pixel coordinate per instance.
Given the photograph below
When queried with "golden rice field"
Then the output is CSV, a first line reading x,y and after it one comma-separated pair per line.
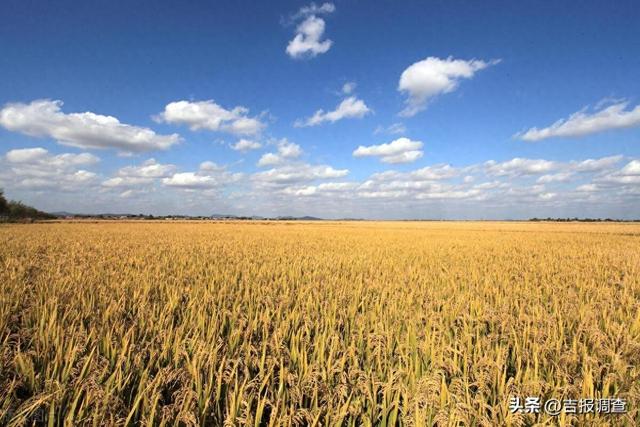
x,y
316,324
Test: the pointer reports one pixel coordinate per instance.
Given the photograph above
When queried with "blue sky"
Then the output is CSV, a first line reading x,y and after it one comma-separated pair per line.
x,y
448,109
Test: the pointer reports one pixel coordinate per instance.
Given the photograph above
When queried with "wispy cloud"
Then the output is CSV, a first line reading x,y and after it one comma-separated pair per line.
x,y
392,129
584,123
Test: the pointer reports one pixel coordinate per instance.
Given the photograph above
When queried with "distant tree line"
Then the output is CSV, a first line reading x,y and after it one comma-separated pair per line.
x,y
10,210
575,219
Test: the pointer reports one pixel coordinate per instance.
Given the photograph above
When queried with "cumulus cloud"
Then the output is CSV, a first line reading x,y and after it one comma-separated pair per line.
x,y
44,118
209,176
148,169
147,173
584,123
515,188
556,177
401,150
436,173
269,159
328,188
37,169
632,168
564,171
286,151
596,165
519,166
207,115
433,76
190,180
41,156
350,107
427,183
307,41
245,145
209,166
628,178
289,174
26,155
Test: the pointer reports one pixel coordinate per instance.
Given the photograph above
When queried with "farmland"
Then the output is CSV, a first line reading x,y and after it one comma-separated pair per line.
x,y
324,323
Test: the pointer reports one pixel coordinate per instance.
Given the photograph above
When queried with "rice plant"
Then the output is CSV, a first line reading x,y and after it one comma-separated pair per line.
x,y
316,324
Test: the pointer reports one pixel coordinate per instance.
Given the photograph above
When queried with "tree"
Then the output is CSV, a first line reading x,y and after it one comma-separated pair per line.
x,y
4,205
18,211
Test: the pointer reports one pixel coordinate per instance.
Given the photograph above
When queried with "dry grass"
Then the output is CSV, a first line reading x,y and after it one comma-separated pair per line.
x,y
315,324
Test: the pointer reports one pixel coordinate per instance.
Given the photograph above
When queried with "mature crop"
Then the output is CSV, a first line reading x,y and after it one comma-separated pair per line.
x,y
411,324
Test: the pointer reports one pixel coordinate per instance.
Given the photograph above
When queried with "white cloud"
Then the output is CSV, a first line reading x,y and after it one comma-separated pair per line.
x,y
289,150
547,195
350,107
314,9
628,177
269,159
450,193
308,39
41,157
286,151
190,180
44,118
145,174
325,189
557,177
57,182
489,185
148,169
126,181
245,145
209,176
209,166
519,166
564,171
37,169
405,157
337,186
210,116
595,165
26,155
393,129
587,188
348,88
401,150
583,123
436,172
632,168
299,173
433,76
